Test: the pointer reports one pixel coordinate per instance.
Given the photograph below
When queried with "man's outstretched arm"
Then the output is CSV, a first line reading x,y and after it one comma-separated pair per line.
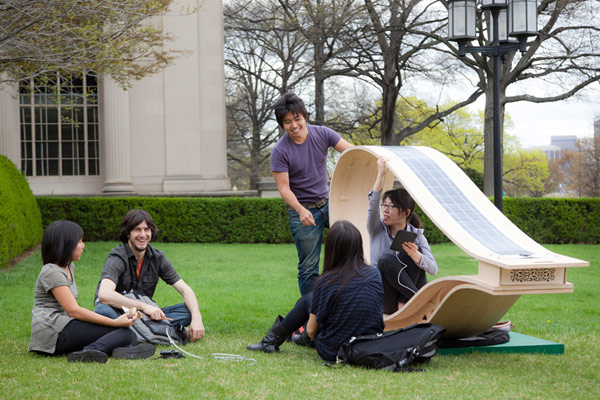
x,y
189,298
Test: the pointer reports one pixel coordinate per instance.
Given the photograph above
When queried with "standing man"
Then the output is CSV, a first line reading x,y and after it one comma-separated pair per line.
x,y
135,265
299,165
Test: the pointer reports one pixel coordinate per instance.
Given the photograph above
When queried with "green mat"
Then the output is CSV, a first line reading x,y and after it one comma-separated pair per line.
x,y
518,343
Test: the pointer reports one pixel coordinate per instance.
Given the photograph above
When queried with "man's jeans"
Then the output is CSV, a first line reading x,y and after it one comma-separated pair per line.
x,y
308,244
179,313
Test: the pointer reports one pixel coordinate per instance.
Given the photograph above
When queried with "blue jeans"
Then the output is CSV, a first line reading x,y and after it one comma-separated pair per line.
x,y
308,244
179,313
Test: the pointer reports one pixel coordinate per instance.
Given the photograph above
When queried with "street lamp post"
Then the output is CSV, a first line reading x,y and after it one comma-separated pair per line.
x,y
510,19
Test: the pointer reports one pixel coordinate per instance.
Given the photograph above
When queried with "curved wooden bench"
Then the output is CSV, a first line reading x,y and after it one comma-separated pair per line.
x,y
510,262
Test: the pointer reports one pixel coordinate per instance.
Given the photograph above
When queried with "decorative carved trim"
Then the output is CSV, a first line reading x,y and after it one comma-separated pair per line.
x,y
533,275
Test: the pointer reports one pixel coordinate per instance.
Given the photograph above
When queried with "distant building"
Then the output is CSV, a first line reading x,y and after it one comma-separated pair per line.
x,y
552,152
566,142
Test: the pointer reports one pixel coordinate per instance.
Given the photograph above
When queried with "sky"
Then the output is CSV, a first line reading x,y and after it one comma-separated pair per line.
x,y
534,124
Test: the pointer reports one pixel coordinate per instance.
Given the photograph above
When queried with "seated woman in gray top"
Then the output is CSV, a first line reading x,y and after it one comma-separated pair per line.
x,y
402,272
59,325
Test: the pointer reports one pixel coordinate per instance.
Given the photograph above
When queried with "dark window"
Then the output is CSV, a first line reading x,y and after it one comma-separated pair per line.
x,y
59,126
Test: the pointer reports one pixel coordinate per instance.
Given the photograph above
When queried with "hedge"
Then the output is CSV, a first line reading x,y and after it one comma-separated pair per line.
x,y
257,220
20,218
189,219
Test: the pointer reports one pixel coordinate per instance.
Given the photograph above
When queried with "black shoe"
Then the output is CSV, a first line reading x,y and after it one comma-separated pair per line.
x,y
142,350
184,335
87,356
303,339
273,339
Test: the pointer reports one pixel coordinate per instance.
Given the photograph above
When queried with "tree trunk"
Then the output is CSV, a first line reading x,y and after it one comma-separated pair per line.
x,y
319,118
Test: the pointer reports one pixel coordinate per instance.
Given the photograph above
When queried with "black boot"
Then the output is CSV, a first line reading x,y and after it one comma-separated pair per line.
x,y
303,339
273,339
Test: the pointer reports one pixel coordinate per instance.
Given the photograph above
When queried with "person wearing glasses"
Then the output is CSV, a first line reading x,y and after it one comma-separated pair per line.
x,y
402,272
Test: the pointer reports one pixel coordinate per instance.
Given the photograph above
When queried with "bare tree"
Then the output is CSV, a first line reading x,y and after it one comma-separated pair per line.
x,y
249,109
328,26
581,168
264,58
393,48
561,61
116,38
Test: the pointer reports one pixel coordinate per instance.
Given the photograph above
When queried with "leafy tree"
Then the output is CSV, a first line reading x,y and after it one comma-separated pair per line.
x,y
117,38
525,173
459,136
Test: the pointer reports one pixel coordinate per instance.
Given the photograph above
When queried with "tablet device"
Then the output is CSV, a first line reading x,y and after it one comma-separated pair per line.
x,y
401,237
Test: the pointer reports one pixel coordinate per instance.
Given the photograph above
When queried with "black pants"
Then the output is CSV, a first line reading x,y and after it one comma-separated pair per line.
x,y
298,316
80,335
401,280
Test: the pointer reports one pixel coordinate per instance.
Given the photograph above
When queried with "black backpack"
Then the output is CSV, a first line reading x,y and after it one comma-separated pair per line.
x,y
392,350
487,338
151,331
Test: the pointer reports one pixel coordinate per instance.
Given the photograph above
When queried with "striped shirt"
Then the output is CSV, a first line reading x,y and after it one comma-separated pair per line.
x,y
357,311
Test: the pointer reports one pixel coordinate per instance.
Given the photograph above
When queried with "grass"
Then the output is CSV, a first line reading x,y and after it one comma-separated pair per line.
x,y
241,289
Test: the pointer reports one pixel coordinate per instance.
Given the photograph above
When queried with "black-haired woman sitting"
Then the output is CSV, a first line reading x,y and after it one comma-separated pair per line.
x,y
346,299
59,325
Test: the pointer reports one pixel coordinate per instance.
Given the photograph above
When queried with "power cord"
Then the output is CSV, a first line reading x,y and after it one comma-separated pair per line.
x,y
402,269
218,356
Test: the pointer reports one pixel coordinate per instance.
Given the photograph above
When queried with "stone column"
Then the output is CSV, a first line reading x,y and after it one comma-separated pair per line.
x,y
213,129
10,136
194,87
116,154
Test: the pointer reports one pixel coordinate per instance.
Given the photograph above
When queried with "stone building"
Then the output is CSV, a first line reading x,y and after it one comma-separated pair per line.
x,y
166,135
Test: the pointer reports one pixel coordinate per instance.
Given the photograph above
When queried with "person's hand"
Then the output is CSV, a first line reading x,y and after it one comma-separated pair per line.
x,y
412,250
196,330
306,217
154,313
381,161
124,321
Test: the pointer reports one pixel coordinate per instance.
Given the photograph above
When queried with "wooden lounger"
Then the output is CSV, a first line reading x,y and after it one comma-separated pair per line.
x,y
510,262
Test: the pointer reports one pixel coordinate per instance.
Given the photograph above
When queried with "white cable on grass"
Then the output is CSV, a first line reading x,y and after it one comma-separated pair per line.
x,y
219,356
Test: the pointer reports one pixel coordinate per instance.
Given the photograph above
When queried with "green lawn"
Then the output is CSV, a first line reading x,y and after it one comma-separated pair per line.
x,y
241,289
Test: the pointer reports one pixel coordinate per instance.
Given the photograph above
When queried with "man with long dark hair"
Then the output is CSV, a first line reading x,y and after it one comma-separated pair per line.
x,y
299,166
136,266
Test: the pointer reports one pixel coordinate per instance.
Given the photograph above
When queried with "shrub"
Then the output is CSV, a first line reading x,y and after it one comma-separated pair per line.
x,y
257,220
189,219
20,218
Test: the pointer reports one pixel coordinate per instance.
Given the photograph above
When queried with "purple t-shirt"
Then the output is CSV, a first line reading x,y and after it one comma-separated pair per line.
x,y
306,163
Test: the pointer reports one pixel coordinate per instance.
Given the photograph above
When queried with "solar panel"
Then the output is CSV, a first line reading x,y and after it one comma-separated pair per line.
x,y
456,203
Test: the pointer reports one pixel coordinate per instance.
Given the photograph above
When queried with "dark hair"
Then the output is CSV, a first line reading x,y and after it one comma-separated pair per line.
x,y
59,241
401,199
132,219
344,257
289,102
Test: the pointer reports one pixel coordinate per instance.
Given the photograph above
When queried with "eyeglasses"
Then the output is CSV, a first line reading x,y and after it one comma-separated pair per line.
x,y
389,206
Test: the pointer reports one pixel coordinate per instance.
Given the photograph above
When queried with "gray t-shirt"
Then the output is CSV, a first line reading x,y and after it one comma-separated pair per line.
x,y
49,318
306,163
